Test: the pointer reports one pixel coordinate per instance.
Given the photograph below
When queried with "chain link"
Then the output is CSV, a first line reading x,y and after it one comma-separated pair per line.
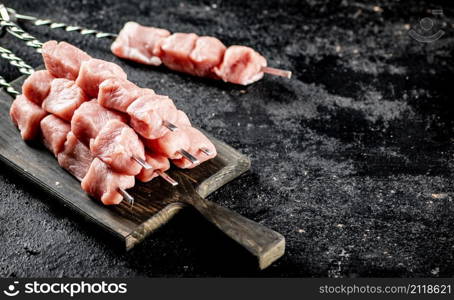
x,y
8,88
54,25
16,61
18,32
69,28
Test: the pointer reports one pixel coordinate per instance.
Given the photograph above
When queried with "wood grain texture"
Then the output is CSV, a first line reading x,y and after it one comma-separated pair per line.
x,y
156,202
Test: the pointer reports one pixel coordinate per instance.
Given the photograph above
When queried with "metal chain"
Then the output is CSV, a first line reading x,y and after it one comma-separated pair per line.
x,y
18,32
8,88
69,28
84,31
16,61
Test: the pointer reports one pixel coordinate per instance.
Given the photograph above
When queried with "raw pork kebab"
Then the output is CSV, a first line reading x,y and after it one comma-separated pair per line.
x,y
189,53
184,52
102,128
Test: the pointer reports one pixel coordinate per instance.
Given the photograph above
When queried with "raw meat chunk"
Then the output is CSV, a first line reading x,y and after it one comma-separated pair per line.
x,y
158,162
26,115
54,132
89,118
140,43
116,145
37,86
176,50
118,94
75,157
241,65
64,98
63,60
198,141
182,119
170,144
94,71
148,113
207,54
103,184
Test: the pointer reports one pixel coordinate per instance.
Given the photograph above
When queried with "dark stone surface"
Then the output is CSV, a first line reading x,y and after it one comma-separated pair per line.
x,y
352,159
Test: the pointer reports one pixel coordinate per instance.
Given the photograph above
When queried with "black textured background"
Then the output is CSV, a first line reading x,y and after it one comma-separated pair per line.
x,y
352,158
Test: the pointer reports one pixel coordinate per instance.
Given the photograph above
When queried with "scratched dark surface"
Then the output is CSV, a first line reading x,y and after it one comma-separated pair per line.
x,y
352,159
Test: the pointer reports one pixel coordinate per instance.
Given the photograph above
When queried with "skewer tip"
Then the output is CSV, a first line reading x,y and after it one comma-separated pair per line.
x,y
167,178
206,151
142,162
170,126
277,72
189,156
126,196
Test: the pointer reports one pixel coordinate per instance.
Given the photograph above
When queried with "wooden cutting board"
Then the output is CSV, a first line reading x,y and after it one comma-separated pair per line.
x,y
156,202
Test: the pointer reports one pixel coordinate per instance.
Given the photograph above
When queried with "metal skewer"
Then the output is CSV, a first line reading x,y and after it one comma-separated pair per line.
x,y
189,156
142,162
164,175
167,178
205,151
126,196
277,72
122,192
169,125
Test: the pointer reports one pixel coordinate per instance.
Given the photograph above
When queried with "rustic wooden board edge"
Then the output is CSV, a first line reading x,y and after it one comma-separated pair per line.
x,y
152,224
216,181
231,170
272,254
53,193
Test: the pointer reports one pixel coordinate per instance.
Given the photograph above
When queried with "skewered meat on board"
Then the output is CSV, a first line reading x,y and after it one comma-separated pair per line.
x,y
170,144
201,147
75,157
63,60
54,131
182,119
148,114
118,94
123,132
37,86
26,115
158,163
64,98
89,119
104,184
94,71
117,145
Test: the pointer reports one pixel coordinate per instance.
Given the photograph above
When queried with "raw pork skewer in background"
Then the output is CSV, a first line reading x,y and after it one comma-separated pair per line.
x,y
99,34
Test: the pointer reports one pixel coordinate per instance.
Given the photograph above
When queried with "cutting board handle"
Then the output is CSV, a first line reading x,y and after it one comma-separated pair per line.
x,y
266,244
